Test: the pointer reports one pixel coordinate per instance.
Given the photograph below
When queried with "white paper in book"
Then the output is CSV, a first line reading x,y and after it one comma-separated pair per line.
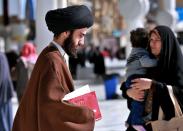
x,y
78,92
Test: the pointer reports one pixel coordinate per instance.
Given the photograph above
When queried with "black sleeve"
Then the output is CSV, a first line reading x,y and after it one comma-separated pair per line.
x,y
124,89
124,94
161,98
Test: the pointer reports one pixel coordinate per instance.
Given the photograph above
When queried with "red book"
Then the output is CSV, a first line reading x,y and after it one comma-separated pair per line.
x,y
83,96
89,100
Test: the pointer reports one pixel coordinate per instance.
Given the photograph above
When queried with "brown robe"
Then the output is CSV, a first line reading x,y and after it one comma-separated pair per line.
x,y
41,108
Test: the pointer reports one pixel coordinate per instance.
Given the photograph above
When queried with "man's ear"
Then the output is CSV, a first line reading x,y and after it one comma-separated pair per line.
x,y
66,34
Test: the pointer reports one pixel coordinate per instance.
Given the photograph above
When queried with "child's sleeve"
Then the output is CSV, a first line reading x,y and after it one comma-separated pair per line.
x,y
146,61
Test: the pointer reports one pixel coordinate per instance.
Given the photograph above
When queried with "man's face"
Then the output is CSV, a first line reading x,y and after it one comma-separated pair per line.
x,y
74,41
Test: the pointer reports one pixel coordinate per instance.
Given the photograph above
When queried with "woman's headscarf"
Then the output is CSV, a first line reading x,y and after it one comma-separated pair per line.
x,y
28,53
171,58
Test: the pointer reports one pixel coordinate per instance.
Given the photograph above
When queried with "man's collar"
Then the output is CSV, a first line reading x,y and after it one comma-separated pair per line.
x,y
61,50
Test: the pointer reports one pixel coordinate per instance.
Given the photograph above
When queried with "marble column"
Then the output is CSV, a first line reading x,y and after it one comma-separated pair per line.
x,y
167,14
133,12
43,35
62,3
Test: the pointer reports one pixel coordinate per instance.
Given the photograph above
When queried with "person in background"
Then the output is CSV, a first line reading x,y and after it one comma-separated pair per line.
x,y
75,62
12,57
105,52
97,59
42,107
169,71
24,67
6,93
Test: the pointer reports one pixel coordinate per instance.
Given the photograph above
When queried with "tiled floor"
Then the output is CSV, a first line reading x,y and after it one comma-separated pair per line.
x,y
114,114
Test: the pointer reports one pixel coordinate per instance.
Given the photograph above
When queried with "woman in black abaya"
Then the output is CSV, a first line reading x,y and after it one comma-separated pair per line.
x,y
165,47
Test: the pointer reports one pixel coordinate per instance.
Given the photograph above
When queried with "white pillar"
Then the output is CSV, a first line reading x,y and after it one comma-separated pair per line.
x,y
62,3
133,12
13,7
169,5
21,9
43,35
2,45
167,14
1,8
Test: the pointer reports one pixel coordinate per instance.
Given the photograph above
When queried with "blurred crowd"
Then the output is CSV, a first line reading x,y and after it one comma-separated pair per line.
x,y
96,56
15,69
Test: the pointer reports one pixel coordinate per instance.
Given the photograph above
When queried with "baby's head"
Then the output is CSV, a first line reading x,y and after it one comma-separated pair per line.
x,y
139,38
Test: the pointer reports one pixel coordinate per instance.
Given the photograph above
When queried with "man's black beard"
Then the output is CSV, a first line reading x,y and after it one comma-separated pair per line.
x,y
68,46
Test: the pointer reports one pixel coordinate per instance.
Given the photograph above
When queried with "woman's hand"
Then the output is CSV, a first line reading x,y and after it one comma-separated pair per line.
x,y
141,83
135,94
138,87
